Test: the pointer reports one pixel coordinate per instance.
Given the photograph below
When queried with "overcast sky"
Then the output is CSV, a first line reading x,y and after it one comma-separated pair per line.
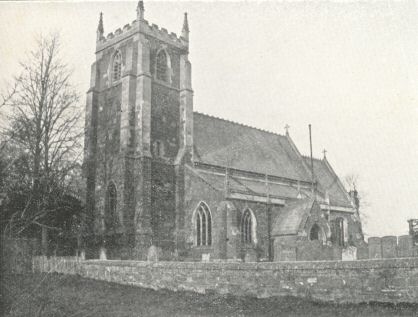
x,y
348,68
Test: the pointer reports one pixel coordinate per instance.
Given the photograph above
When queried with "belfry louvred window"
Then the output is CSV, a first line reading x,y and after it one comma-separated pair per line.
x,y
117,66
203,225
162,66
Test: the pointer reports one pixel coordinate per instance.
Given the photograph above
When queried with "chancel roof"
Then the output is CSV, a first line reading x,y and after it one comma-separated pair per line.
x,y
328,182
224,143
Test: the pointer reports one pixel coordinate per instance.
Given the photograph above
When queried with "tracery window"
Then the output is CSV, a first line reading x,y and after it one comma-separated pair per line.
x,y
162,66
203,225
111,203
247,227
117,66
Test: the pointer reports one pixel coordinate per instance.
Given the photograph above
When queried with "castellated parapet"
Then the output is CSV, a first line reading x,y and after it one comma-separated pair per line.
x,y
143,27
158,174
139,117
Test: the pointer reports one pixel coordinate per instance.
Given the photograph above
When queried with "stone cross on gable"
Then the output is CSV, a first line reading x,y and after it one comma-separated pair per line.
x,y
325,153
286,127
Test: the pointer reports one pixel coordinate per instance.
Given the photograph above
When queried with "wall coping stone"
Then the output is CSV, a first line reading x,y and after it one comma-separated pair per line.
x,y
384,280
262,266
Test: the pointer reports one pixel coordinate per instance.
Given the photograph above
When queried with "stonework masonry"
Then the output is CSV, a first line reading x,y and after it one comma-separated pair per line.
x,y
151,163
384,280
138,129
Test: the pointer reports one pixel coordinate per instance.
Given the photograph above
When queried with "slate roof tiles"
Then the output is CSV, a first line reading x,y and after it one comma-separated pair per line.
x,y
224,143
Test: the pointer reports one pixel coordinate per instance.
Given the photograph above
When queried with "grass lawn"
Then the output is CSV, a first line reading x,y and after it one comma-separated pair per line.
x,y
59,295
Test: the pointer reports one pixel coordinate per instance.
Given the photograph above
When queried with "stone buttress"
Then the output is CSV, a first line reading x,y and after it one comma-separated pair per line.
x,y
139,119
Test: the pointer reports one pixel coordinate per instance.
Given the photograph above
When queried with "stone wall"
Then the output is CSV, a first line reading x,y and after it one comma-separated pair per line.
x,y
389,280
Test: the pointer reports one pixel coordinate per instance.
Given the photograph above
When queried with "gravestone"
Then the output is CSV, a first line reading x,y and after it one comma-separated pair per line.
x,y
375,248
405,244
154,253
349,254
82,254
389,245
285,254
205,257
102,254
250,256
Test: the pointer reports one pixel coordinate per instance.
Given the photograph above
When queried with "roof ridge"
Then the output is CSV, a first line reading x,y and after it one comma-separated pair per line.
x,y
335,178
238,123
339,182
313,157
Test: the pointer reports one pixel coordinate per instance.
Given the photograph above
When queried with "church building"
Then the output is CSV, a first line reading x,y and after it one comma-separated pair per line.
x,y
192,185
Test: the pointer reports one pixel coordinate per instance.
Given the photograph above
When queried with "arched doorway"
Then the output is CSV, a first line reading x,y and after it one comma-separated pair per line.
x,y
315,233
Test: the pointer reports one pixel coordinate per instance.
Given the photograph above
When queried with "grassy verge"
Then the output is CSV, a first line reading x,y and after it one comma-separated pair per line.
x,y
59,295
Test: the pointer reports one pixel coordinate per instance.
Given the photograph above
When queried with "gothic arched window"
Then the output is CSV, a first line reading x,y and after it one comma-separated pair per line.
x,y
111,203
203,219
117,67
162,66
248,227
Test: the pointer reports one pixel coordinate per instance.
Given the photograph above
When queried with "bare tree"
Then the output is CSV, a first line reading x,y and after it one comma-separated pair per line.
x,y
351,182
6,97
45,123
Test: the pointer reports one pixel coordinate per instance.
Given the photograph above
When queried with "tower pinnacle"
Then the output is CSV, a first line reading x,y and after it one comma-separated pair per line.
x,y
140,10
100,29
185,31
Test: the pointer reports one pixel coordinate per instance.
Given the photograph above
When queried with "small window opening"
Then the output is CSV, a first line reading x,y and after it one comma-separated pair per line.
x,y
117,67
162,66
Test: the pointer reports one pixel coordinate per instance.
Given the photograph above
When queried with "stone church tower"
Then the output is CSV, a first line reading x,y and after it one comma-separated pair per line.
x,y
139,119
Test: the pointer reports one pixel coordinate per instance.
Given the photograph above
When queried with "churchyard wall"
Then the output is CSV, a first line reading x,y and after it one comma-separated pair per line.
x,y
383,280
